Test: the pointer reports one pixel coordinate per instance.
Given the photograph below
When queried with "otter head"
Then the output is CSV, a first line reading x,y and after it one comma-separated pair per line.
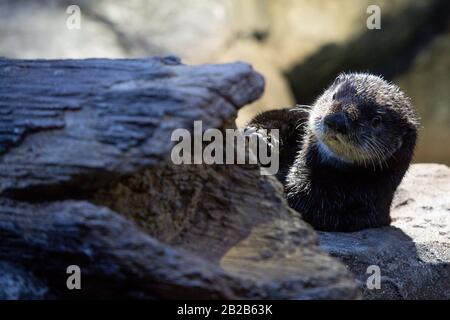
x,y
361,119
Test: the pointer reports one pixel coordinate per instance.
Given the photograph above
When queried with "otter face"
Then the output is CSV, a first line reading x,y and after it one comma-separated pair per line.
x,y
361,119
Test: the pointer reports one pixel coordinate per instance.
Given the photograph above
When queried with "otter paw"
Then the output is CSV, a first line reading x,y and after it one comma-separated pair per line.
x,y
262,136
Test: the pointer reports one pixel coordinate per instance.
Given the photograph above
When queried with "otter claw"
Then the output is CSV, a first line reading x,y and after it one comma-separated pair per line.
x,y
262,136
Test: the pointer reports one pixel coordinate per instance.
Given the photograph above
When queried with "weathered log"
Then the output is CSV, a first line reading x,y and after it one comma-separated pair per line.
x,y
112,253
103,118
86,179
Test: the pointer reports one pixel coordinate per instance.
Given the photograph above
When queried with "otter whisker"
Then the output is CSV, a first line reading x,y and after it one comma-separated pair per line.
x,y
376,152
377,157
372,159
383,149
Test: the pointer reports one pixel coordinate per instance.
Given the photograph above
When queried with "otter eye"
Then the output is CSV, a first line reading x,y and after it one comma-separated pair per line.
x,y
376,121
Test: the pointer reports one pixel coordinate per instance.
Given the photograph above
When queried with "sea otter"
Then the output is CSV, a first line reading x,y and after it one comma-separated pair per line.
x,y
342,158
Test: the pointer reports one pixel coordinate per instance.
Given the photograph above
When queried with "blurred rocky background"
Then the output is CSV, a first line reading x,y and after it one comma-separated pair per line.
x,y
298,45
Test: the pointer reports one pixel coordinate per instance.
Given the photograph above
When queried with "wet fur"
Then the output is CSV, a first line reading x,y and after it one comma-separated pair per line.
x,y
345,189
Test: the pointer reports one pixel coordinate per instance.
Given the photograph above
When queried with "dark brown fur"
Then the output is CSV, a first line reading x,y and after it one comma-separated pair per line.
x,y
342,159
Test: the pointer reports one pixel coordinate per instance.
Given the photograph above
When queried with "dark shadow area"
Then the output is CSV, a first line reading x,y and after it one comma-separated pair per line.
x,y
405,274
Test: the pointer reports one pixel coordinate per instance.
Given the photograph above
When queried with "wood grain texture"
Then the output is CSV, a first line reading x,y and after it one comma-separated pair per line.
x,y
86,179
67,119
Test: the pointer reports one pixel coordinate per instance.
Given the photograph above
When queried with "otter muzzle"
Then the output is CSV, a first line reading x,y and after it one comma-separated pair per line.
x,y
336,122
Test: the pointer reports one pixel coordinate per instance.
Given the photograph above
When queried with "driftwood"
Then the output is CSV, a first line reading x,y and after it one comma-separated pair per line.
x,y
86,179
98,117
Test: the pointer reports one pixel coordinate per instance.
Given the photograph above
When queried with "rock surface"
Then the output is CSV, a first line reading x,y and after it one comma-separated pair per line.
x,y
87,180
427,83
16,282
113,29
414,253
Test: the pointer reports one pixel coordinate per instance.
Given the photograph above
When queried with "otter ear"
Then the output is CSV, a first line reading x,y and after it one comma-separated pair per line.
x,y
339,79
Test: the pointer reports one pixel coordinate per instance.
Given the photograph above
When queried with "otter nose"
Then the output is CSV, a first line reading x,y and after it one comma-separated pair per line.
x,y
336,122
